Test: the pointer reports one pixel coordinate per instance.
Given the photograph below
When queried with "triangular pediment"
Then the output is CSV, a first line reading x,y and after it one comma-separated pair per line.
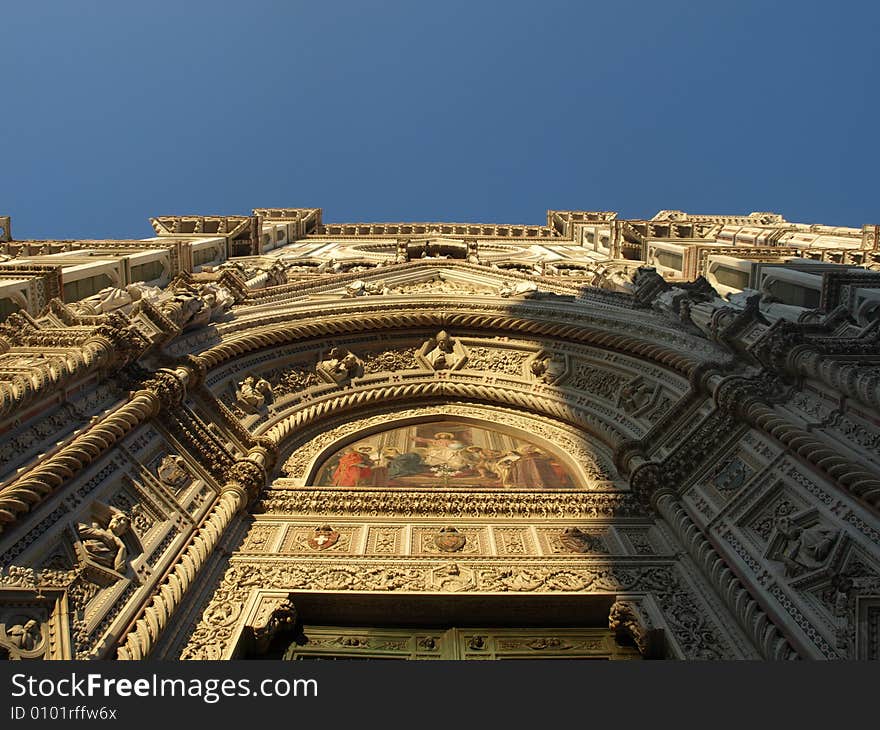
x,y
418,281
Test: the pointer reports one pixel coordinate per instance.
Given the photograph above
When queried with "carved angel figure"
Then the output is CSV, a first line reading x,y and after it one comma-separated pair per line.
x,y
104,544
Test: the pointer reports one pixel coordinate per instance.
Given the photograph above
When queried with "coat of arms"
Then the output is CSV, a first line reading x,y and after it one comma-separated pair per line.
x,y
323,538
580,542
449,540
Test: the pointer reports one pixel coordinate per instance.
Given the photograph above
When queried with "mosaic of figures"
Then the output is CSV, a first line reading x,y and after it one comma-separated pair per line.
x,y
445,454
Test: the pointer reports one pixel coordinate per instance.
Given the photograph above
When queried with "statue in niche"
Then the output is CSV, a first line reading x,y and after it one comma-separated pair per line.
x,y
103,545
806,548
442,352
253,393
636,395
172,471
339,366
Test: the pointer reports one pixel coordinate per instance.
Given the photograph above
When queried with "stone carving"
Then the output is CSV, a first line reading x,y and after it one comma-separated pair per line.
x,y
104,301
360,288
192,306
575,540
802,548
637,396
101,551
630,623
731,475
172,471
591,379
253,393
547,368
22,637
442,352
273,615
496,359
324,537
449,540
390,361
339,366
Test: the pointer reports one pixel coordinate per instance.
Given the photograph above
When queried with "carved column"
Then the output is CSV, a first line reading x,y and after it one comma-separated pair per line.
x,y
56,468
247,478
769,640
845,377
747,398
164,389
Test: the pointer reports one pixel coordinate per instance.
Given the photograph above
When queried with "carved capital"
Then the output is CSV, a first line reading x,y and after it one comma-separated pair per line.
x,y
167,387
246,475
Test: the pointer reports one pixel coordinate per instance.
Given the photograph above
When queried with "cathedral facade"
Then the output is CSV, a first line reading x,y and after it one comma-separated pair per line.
x,y
268,436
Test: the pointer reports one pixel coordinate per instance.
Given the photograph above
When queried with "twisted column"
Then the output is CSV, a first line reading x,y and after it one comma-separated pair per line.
x,y
28,490
747,398
860,383
247,478
771,642
164,389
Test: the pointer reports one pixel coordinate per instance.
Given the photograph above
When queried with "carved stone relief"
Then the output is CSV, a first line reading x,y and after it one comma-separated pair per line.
x,y
385,540
448,539
802,543
339,366
568,540
318,538
442,352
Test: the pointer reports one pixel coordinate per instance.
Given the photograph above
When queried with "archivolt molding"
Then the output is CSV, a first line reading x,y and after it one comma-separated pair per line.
x,y
681,353
445,390
163,389
771,641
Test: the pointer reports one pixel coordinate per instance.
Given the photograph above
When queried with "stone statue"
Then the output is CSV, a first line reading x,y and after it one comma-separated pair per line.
x,y
442,354
547,369
140,292
26,636
339,366
806,548
253,393
106,300
636,394
103,545
360,288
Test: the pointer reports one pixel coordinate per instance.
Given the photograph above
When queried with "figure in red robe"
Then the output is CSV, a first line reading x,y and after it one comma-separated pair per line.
x,y
354,469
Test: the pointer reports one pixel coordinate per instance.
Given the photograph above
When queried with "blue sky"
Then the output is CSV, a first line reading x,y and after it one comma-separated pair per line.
x,y
460,111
